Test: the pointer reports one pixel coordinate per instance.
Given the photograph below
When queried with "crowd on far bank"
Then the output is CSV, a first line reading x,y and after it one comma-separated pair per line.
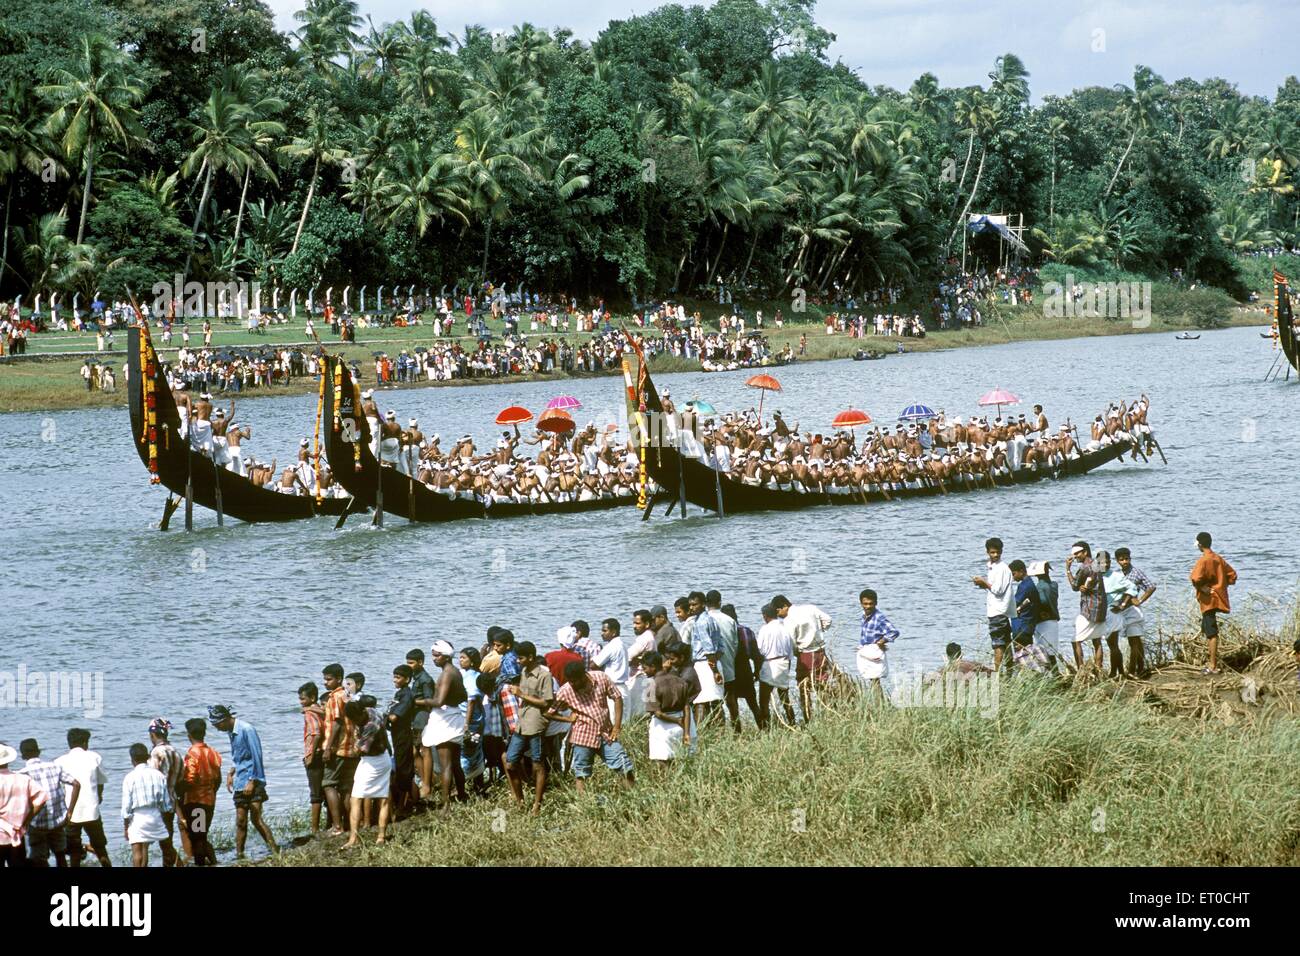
x,y
506,717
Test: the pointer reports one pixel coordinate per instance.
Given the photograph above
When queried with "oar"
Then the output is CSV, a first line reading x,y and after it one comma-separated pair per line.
x,y
1159,449
410,490
378,520
216,482
169,508
1276,356
189,470
347,510
717,483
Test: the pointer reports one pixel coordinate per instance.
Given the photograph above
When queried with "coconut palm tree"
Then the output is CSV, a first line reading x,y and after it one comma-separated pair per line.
x,y
1277,147
1242,229
1077,240
1138,110
314,145
924,96
507,92
1057,128
771,97
971,112
23,145
424,68
94,102
1231,131
246,86
328,31
381,51
223,142
52,259
421,184
1009,82
491,165
988,118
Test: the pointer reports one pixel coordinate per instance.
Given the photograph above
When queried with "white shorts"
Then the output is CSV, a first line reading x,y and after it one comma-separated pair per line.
x,y
1133,622
710,690
372,777
1085,630
1047,636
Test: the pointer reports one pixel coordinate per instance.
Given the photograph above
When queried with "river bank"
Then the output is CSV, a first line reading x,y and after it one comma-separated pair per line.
x,y
50,383
1054,773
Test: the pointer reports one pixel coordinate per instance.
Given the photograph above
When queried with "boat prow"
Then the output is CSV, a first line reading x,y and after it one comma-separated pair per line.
x,y
175,463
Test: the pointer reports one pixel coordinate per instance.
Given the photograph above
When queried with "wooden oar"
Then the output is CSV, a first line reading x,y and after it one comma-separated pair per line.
x,y
344,517
717,485
1159,449
169,509
189,471
378,520
410,489
216,483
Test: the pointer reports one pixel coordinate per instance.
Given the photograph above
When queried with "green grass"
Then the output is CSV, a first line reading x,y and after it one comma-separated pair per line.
x,y
1059,775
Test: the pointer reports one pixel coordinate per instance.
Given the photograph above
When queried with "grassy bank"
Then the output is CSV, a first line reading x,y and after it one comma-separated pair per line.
x,y
1081,774
54,384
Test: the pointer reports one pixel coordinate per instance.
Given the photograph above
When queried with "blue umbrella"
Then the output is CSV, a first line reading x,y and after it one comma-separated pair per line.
x,y
916,412
701,407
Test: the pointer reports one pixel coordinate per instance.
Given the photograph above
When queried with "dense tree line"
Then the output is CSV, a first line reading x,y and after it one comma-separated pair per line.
x,y
138,139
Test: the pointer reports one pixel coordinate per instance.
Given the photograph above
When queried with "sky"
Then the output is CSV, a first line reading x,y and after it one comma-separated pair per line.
x,y
1065,44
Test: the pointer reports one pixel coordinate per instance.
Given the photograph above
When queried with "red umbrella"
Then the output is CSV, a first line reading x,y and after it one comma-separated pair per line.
x,y
1000,397
514,415
556,420
851,418
768,384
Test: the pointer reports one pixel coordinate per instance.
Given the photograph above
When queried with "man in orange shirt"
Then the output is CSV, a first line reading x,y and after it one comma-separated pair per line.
x,y
339,750
1211,576
197,789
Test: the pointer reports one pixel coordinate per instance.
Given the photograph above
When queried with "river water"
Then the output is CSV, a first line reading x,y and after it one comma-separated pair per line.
x,y
243,615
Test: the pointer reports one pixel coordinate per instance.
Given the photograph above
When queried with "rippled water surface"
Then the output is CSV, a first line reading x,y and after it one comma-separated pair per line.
x,y
244,614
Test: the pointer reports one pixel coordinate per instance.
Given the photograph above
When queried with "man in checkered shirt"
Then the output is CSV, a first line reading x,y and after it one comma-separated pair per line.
x,y
1133,621
46,834
593,732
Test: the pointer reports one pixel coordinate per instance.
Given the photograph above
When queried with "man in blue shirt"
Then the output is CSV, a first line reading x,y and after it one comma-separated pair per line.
x,y
246,778
876,633
706,650
1028,605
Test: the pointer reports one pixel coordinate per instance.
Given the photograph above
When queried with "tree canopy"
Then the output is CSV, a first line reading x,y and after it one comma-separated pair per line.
x,y
680,147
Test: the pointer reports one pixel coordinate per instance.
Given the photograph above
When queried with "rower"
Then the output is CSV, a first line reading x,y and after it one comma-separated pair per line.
x,y
235,434
201,430
371,412
306,472
220,450
185,405
390,439
412,438
289,483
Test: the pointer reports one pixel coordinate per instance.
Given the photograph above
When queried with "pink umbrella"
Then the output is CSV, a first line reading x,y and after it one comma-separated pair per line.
x,y
564,402
1000,397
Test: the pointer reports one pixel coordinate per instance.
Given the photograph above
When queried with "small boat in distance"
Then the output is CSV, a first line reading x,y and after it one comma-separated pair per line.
x,y
1187,336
